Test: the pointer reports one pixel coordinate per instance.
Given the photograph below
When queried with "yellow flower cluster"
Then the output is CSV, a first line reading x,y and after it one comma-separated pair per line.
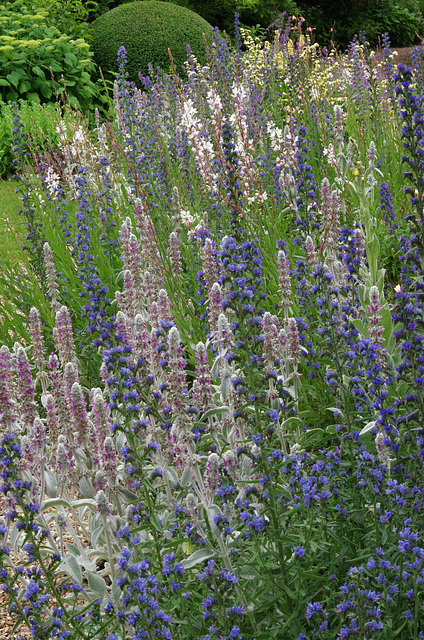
x,y
255,61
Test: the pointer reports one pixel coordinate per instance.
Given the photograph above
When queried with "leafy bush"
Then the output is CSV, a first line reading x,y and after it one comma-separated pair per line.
x,y
220,13
31,51
147,30
69,16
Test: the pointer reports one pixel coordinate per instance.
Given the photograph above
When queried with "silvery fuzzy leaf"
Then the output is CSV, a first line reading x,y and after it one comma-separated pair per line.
x,y
51,483
97,586
84,502
225,387
246,464
335,410
214,412
80,455
95,521
292,392
112,522
215,366
95,535
368,427
89,566
121,440
14,537
198,556
100,552
213,511
171,474
72,568
77,363
186,476
116,592
73,549
128,495
55,502
358,324
86,488
44,397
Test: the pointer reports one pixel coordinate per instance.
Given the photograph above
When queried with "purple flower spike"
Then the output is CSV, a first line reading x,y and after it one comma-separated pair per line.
x,y
25,386
293,341
311,253
212,476
164,306
38,351
7,390
202,390
79,413
63,336
51,278
100,414
271,342
215,306
109,460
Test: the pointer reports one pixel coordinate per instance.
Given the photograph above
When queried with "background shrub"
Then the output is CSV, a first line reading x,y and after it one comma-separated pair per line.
x,y
69,16
220,13
337,22
31,50
147,30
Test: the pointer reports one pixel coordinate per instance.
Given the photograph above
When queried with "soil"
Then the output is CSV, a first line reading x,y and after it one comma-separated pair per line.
x,y
404,55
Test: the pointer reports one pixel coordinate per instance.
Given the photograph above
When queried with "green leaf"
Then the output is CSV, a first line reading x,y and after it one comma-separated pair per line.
x,y
38,72
73,101
15,77
24,86
71,59
55,66
97,586
12,96
32,97
46,90
4,83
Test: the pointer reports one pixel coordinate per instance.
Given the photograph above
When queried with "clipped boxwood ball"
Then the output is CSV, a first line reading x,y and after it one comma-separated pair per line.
x,y
146,30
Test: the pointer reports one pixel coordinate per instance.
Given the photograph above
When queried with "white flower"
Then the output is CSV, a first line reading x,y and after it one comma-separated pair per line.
x,y
52,181
187,218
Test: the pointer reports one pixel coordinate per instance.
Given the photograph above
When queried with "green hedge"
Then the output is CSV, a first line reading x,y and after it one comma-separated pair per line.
x,y
147,30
